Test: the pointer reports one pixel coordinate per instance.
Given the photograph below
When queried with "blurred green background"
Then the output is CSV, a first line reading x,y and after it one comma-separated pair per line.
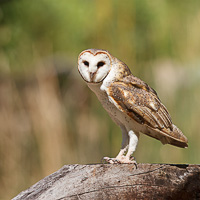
x,y
48,115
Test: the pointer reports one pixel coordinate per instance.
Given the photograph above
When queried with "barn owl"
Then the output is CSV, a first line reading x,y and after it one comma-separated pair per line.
x,y
132,104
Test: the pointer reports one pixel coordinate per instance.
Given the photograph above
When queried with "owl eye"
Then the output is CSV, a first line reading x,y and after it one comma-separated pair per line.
x,y
100,64
86,63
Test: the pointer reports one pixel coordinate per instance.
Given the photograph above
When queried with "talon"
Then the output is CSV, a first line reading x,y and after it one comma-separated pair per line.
x,y
132,158
111,160
135,165
133,161
116,161
107,159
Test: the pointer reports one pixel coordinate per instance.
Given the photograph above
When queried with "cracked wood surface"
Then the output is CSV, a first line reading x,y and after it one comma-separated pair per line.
x,y
118,181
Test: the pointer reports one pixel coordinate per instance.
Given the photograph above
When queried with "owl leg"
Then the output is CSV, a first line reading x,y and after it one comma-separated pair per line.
x,y
124,147
133,140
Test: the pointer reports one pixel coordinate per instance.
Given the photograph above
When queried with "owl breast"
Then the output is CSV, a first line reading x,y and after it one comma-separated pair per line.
x,y
119,117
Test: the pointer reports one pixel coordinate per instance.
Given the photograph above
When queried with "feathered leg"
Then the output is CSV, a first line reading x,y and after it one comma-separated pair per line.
x,y
129,142
125,143
133,140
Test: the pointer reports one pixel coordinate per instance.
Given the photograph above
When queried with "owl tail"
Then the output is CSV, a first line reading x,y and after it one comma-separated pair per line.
x,y
175,137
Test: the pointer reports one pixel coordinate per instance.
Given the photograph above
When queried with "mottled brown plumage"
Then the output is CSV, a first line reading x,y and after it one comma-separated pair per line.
x,y
142,104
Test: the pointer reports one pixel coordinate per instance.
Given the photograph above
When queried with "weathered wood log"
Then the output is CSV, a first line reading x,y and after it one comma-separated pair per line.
x,y
118,181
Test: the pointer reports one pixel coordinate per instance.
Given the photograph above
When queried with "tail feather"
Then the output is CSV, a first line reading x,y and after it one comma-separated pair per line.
x,y
166,136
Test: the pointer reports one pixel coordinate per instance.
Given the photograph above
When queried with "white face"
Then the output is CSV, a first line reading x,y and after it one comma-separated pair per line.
x,y
94,67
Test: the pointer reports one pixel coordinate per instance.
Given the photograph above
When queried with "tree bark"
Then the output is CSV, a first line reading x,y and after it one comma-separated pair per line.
x,y
118,181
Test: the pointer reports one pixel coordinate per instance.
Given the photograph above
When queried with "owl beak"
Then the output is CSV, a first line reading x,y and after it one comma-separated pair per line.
x,y
92,74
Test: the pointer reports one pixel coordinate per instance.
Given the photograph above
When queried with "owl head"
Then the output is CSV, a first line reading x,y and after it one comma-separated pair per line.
x,y
94,65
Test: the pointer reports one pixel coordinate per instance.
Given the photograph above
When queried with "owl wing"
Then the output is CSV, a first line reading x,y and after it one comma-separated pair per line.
x,y
141,103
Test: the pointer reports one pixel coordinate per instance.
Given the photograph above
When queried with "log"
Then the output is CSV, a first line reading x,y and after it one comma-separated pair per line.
x,y
118,181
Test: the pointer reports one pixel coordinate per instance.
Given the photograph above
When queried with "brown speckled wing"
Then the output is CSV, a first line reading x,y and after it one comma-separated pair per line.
x,y
141,103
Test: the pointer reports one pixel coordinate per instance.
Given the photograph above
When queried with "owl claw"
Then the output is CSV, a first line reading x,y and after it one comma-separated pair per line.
x,y
132,158
120,161
111,160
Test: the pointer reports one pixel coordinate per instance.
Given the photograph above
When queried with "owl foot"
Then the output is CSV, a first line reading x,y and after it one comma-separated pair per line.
x,y
120,160
111,160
